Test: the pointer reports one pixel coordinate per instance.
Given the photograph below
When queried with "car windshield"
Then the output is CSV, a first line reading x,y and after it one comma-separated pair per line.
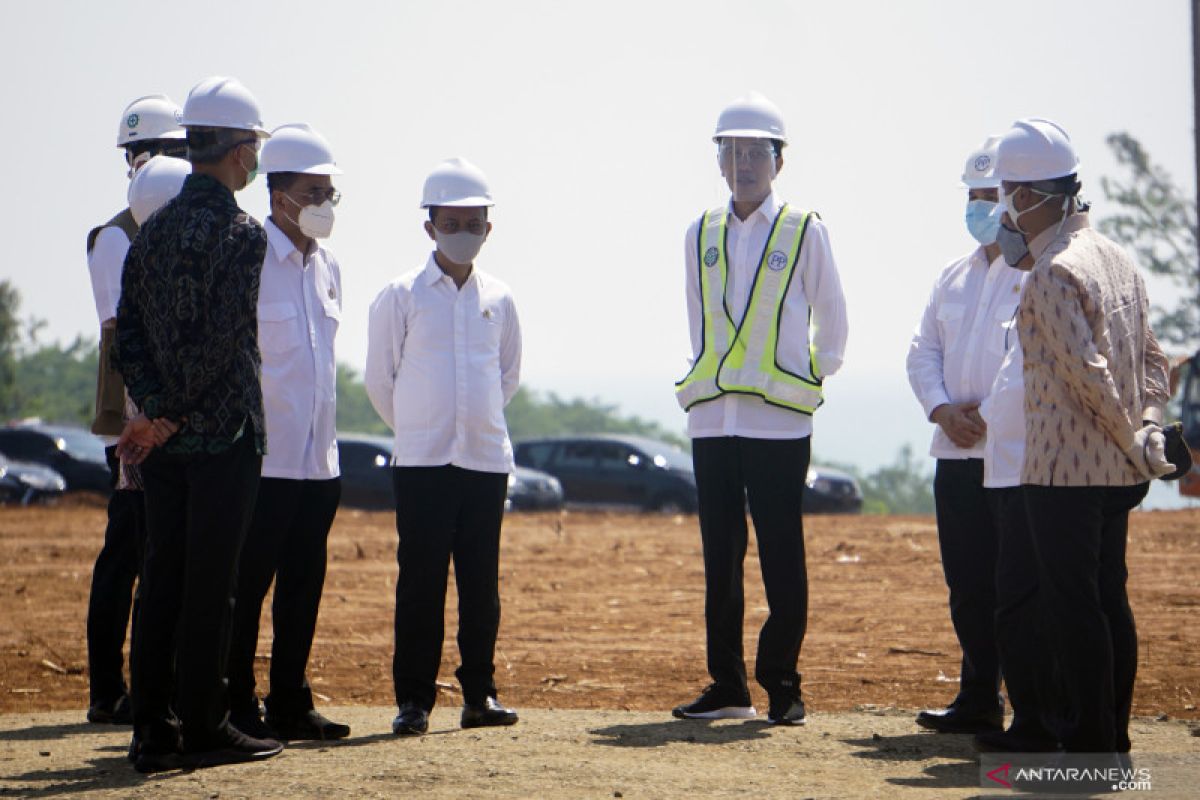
x,y
80,444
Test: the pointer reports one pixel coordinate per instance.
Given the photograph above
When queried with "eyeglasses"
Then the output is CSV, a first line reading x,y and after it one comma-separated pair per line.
x,y
476,226
753,153
175,148
315,197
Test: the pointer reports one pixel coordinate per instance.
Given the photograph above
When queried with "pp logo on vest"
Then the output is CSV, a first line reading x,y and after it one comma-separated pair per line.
x,y
777,260
710,256
132,120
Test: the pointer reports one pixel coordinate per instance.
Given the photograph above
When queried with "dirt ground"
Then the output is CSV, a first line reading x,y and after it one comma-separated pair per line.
x,y
605,612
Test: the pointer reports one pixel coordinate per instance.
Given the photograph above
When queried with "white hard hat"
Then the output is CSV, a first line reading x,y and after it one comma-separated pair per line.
x,y
1035,150
296,147
155,183
456,182
980,169
151,117
222,103
751,116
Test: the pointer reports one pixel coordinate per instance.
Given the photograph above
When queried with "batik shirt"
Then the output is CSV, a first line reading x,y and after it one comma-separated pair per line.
x,y
187,327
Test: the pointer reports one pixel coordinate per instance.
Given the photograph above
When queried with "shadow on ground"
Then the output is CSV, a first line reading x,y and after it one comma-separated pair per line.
x,y
691,731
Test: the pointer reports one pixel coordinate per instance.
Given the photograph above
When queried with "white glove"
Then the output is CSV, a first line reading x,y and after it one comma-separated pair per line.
x,y
1149,453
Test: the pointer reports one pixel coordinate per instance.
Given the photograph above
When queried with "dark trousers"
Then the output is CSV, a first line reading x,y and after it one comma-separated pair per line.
x,y
197,510
442,513
769,474
968,541
112,596
1079,537
285,543
1026,660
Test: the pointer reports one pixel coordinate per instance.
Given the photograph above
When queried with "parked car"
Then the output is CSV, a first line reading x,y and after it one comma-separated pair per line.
x,y
831,491
25,483
367,479
75,453
612,470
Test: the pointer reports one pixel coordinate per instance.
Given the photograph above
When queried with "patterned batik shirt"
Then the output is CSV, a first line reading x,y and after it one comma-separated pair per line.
x,y
187,326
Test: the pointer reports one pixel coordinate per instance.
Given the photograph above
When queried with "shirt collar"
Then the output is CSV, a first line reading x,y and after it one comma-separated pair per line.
x,y
1076,222
768,209
279,242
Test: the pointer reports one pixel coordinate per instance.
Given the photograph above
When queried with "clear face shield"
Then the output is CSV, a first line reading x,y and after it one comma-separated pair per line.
x,y
748,167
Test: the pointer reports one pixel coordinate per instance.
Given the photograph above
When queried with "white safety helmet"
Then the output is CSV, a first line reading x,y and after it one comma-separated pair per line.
x,y
980,170
296,147
151,117
155,183
219,102
751,116
1035,150
456,182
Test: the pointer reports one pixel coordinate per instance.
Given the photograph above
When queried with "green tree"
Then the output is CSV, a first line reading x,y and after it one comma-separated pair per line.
x,y
10,339
57,383
1157,220
533,414
355,414
902,487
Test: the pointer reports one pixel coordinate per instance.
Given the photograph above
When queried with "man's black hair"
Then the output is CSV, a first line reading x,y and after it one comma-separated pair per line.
x,y
209,145
433,213
1067,184
281,180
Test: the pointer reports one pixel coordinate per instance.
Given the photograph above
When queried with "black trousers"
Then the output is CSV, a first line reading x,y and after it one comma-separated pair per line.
x,y
197,510
112,595
769,474
1079,538
1026,660
285,543
442,513
968,541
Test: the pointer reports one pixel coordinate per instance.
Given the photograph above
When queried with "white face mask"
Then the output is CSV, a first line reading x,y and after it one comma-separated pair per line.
x,y
461,247
315,222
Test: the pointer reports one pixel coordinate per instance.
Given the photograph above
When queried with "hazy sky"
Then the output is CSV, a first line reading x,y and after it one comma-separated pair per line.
x,y
593,122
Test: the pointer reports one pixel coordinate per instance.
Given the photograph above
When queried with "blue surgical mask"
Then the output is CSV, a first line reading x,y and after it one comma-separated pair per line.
x,y
983,220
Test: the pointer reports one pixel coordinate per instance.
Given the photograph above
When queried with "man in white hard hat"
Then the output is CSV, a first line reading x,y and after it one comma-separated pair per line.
x,y
952,363
149,126
187,341
443,360
299,309
768,325
1095,387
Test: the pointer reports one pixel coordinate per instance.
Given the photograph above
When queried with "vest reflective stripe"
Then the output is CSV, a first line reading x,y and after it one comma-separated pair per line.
x,y
742,359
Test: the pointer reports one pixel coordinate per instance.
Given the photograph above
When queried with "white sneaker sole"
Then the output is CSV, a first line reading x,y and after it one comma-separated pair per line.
x,y
728,712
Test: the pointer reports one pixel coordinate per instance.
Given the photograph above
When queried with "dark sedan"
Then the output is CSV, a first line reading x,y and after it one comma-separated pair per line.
x,y
831,491
74,453
25,483
367,479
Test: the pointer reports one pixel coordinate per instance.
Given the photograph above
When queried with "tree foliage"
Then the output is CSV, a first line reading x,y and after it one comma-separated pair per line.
x,y
1157,220
902,487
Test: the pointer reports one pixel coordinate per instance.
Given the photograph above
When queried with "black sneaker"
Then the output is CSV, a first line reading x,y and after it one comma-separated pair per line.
x,y
233,747
717,702
786,710
310,724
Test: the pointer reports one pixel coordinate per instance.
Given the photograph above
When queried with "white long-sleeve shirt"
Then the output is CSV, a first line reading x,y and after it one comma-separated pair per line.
x,y
299,310
1004,412
106,259
959,343
816,286
442,363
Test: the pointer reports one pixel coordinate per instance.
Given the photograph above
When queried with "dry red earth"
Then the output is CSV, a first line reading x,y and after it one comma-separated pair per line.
x,y
605,611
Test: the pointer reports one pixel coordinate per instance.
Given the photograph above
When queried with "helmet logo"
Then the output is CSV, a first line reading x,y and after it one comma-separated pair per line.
x,y
777,260
982,163
132,120
710,256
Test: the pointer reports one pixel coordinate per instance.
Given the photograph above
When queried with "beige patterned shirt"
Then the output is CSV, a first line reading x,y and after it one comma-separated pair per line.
x,y
1093,369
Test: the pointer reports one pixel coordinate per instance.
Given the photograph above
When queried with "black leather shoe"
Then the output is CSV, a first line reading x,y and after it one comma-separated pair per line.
x,y
309,725
411,720
958,719
1016,741
252,725
786,710
487,714
116,712
717,702
150,760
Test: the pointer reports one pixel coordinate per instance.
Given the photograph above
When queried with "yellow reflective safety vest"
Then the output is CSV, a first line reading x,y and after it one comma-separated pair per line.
x,y
741,359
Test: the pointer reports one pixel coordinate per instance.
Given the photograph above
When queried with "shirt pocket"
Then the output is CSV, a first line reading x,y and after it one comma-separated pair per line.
x,y
333,315
484,331
950,321
278,327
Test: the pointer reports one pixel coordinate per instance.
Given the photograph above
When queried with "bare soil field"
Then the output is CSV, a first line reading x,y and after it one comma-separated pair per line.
x,y
601,612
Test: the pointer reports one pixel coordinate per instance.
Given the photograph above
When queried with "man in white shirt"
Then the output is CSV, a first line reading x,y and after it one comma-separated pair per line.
x,y
443,360
149,126
299,309
767,319
952,362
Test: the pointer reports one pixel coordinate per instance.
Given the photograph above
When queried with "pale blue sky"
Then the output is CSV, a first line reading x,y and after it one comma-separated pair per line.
x,y
593,122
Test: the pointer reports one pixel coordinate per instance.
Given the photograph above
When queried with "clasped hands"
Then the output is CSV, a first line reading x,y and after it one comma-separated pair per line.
x,y
141,435
961,422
